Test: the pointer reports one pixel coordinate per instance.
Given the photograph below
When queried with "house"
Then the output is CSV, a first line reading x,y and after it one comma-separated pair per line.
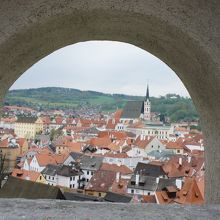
x,y
177,147
144,145
72,157
11,149
192,192
28,127
62,175
69,176
151,169
142,185
28,175
89,165
50,174
100,183
120,184
180,166
122,169
147,185
39,161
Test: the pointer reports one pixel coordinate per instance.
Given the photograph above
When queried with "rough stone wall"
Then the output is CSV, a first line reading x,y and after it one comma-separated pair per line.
x,y
13,209
184,34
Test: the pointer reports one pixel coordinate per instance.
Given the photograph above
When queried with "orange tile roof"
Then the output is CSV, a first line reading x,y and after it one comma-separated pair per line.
x,y
44,159
76,147
118,113
143,143
114,167
174,145
4,143
120,186
162,198
190,193
100,142
25,174
101,181
148,199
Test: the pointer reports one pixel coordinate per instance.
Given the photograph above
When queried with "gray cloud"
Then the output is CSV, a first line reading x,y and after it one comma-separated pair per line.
x,y
105,66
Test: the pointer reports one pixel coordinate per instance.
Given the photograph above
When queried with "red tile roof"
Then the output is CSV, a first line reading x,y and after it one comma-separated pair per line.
x,y
25,174
101,181
113,167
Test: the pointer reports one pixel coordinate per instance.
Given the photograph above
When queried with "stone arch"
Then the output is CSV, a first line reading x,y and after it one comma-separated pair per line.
x,y
185,35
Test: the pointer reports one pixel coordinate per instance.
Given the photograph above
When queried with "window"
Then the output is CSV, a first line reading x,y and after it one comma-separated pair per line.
x,y
178,151
152,146
100,194
40,177
73,185
92,172
132,191
87,172
49,178
70,186
148,193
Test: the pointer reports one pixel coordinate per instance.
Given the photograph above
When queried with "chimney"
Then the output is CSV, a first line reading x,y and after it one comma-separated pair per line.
x,y
137,178
120,149
189,159
118,177
179,183
180,161
157,180
119,163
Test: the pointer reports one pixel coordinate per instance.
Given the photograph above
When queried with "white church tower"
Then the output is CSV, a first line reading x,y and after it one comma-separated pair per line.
x,y
147,106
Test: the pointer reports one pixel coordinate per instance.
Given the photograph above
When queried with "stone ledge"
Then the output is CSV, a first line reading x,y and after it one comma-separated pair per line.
x,y
56,209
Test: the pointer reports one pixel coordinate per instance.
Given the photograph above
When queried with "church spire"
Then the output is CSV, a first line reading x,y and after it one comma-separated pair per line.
x,y
147,94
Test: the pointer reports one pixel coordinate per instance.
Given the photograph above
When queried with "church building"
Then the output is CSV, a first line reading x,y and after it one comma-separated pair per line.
x,y
137,118
136,110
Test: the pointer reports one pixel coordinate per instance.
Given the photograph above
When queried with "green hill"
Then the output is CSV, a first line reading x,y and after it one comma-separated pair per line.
x,y
174,106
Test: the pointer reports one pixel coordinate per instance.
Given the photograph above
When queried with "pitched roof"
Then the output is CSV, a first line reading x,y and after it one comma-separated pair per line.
x,y
44,159
143,143
163,198
148,199
90,162
18,188
100,142
114,167
148,183
26,119
190,193
101,181
75,155
68,171
133,109
114,197
153,170
50,169
25,174
120,186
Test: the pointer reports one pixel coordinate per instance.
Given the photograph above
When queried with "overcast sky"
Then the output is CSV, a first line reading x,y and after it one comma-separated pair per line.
x,y
105,66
